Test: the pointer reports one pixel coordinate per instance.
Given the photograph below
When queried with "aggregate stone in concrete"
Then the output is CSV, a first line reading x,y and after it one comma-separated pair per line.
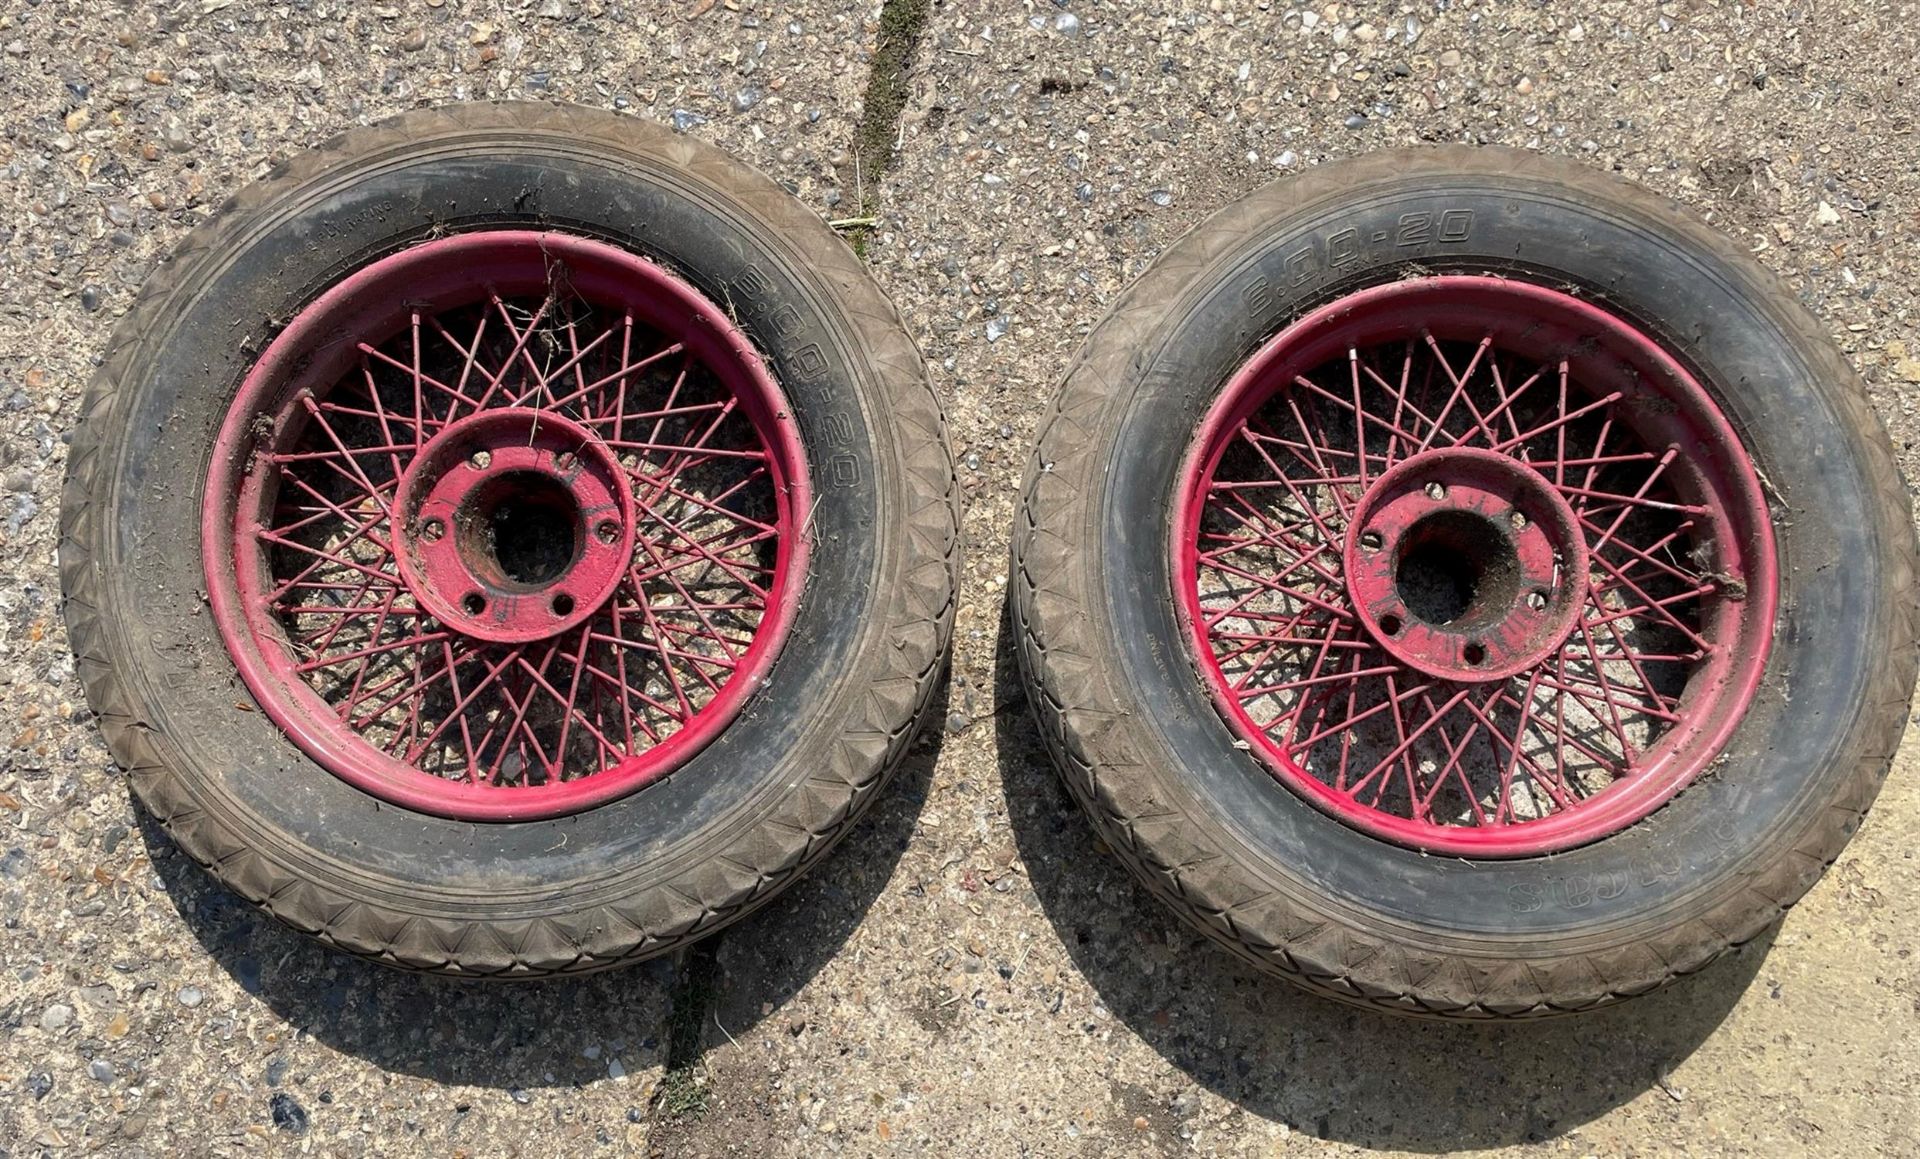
x,y
972,972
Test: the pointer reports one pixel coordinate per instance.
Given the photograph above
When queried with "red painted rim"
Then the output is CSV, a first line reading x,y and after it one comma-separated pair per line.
x,y
1474,565
506,525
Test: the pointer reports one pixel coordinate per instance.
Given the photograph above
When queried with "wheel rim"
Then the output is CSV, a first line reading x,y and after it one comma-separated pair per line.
x,y
1474,566
505,525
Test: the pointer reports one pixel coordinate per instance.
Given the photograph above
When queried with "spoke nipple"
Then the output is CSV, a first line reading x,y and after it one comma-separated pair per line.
x,y
1436,490
480,460
1370,541
432,530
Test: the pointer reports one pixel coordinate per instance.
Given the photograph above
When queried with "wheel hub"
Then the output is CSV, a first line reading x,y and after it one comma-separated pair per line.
x,y
1465,564
513,525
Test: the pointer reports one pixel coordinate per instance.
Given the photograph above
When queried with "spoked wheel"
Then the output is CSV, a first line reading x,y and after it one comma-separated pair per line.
x,y
1475,565
575,542
1508,650
495,545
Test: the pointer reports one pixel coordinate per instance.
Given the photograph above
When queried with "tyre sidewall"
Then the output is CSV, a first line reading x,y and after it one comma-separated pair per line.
x,y
185,376
1794,750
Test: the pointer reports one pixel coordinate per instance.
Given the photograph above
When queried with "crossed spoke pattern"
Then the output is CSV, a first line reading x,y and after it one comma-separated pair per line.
x,y
590,698
1279,622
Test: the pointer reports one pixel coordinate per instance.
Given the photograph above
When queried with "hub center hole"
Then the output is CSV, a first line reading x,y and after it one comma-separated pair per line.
x,y
1457,569
521,530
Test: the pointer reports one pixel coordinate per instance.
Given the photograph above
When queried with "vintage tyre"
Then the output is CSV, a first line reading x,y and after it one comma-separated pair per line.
x,y
510,540
1466,585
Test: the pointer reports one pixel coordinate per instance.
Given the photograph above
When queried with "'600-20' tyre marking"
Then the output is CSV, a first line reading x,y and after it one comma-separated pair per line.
x,y
1344,247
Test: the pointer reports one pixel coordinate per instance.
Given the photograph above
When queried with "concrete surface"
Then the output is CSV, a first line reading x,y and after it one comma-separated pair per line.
x,y
971,974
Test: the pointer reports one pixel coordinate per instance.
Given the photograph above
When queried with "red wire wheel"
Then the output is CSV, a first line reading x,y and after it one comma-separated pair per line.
x,y
506,545
510,540
1475,565
1466,585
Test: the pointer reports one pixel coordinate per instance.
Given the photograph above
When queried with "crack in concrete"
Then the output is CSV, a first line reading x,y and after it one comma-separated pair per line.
x,y
875,141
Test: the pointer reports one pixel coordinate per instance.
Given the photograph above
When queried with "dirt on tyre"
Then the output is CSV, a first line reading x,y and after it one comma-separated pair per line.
x,y
1466,585
510,540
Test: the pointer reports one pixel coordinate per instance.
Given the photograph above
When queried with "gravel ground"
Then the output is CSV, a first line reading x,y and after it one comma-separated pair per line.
x,y
972,972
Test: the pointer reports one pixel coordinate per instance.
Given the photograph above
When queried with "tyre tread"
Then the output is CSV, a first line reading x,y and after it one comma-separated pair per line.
x,y
1082,720
763,859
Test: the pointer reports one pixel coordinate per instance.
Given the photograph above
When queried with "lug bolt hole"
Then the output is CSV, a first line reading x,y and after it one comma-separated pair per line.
x,y
1370,541
608,531
1474,653
1390,624
563,604
1537,599
1436,490
432,530
480,460
1518,518
566,461
474,603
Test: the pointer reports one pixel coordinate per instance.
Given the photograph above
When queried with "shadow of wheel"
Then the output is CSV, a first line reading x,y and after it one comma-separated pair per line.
x,y
1322,1068
521,1036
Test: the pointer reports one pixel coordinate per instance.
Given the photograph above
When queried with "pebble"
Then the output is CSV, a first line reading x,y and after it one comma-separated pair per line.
x,y
958,722
748,97
56,1017
1066,23
1356,121
414,41
519,1095
684,119
90,298
288,1114
174,135
1827,215
101,1070
39,1084
996,329
191,996
616,1069
1161,197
